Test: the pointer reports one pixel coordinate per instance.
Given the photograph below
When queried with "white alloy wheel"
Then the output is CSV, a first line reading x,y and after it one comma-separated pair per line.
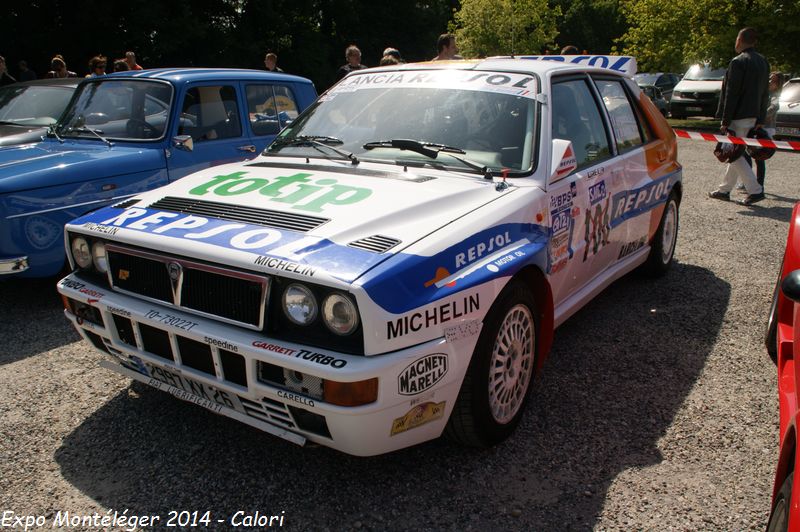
x,y
669,232
511,364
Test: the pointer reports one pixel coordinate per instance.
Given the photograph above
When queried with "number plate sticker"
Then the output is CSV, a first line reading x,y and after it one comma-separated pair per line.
x,y
694,108
788,131
193,391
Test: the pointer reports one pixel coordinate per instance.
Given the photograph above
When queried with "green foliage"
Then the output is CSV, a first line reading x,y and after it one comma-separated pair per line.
x,y
591,25
671,37
501,27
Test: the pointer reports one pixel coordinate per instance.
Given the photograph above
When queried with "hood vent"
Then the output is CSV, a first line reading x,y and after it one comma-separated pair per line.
x,y
375,243
125,204
240,213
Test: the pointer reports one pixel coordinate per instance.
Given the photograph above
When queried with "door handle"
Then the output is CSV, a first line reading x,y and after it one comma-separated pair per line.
x,y
249,147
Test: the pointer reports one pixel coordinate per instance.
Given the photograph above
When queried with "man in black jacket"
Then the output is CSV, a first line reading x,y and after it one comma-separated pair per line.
x,y
742,106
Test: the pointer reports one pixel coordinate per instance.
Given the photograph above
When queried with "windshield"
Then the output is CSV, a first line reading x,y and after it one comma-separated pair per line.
x,y
32,105
492,126
119,109
704,73
791,92
646,79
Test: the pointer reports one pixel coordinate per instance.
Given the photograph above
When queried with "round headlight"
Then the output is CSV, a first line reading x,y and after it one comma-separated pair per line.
x,y
99,257
81,253
340,314
299,304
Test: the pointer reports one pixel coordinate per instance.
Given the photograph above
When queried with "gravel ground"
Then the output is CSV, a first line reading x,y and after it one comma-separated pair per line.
x,y
657,410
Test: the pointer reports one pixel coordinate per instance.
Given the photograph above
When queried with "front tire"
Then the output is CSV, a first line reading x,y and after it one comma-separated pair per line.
x,y
498,382
779,518
662,249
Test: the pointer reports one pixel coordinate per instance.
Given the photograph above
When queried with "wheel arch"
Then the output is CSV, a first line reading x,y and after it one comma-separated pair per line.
x,y
786,460
534,278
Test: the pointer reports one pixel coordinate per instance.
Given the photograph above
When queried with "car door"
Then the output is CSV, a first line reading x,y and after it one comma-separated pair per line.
x,y
270,107
211,116
579,203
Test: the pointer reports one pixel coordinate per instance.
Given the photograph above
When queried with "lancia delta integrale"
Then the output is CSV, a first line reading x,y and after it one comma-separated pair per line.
x,y
393,265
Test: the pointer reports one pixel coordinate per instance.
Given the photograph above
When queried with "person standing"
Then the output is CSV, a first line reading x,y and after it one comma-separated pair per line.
x,y
5,77
59,68
271,63
353,56
742,106
97,66
130,58
25,73
446,48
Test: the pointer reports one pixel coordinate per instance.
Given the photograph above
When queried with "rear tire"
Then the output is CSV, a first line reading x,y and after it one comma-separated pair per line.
x,y
498,382
779,518
662,249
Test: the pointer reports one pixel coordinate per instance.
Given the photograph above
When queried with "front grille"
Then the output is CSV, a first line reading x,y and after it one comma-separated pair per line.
x,y
156,342
269,411
375,243
196,355
240,213
788,119
228,295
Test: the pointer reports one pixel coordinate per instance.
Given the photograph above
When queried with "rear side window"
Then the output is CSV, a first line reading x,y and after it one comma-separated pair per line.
x,y
627,133
210,113
577,118
270,108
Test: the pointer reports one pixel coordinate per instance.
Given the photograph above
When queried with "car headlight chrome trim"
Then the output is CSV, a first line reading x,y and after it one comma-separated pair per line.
x,y
299,304
340,314
81,252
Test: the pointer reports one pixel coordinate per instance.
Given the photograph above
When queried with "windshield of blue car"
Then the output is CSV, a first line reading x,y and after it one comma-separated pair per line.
x,y
118,109
704,73
32,105
490,125
791,92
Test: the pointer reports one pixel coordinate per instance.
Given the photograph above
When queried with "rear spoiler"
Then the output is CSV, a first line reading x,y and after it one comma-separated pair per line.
x,y
625,64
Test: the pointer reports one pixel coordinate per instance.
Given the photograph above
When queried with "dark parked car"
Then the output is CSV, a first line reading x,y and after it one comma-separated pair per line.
x,y
697,94
27,109
655,94
129,132
788,119
664,81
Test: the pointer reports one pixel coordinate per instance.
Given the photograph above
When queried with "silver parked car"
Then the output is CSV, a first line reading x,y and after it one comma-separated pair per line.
x,y
788,119
28,109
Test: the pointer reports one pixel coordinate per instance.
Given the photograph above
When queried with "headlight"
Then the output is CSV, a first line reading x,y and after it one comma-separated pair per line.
x,y
340,314
676,93
99,257
299,304
81,253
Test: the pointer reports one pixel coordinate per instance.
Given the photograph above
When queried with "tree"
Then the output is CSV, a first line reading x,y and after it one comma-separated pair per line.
x,y
689,31
592,25
502,27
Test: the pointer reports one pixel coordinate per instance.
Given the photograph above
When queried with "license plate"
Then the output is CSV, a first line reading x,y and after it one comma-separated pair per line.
x,y
694,108
203,394
794,131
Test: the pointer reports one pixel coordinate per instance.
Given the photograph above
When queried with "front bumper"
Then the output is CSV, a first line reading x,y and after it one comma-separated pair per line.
x,y
687,107
148,343
13,265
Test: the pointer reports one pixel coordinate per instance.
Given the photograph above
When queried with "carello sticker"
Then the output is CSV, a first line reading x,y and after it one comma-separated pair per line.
x,y
299,190
419,415
422,374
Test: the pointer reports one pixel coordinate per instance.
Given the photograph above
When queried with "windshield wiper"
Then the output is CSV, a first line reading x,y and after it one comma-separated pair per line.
x,y
94,132
431,150
317,142
51,130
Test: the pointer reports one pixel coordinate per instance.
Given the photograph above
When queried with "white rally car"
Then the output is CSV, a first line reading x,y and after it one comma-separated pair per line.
x,y
394,264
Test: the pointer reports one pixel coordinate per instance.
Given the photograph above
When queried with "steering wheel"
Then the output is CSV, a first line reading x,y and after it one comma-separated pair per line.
x,y
136,127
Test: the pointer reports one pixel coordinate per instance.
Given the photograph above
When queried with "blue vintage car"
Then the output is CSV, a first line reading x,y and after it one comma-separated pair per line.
x,y
130,132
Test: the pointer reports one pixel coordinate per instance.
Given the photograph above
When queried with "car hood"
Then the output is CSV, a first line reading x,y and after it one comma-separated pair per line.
x,y
336,220
50,163
11,134
698,86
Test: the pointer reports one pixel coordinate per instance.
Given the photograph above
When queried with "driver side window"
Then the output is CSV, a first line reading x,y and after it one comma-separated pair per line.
x,y
210,113
576,118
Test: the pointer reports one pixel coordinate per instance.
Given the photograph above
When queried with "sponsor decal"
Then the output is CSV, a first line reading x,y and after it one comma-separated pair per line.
x,y
296,398
509,83
465,329
568,163
477,251
431,317
419,415
597,192
100,228
594,172
285,265
169,319
597,229
423,398
81,287
222,344
561,201
422,374
559,265
631,247
562,224
624,64
297,190
318,358
495,266
120,311
630,203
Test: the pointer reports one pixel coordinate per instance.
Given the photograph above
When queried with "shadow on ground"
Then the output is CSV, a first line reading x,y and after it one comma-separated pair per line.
x,y
33,319
619,371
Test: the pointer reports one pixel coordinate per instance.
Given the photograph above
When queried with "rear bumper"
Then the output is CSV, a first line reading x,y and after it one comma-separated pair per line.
x,y
128,329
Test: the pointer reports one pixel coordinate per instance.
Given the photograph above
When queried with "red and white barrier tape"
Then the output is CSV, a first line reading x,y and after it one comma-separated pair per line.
x,y
777,144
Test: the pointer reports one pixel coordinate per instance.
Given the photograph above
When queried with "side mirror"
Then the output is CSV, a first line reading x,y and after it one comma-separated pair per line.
x,y
562,160
183,142
790,286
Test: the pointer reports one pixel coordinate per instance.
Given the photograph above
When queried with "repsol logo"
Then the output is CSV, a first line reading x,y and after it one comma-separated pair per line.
x,y
422,374
297,190
475,252
432,317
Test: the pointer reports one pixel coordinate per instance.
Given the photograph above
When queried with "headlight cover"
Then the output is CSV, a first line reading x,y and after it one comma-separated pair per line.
x,y
340,314
81,252
99,257
299,304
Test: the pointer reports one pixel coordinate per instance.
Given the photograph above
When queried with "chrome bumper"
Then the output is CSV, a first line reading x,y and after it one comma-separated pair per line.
x,y
13,265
